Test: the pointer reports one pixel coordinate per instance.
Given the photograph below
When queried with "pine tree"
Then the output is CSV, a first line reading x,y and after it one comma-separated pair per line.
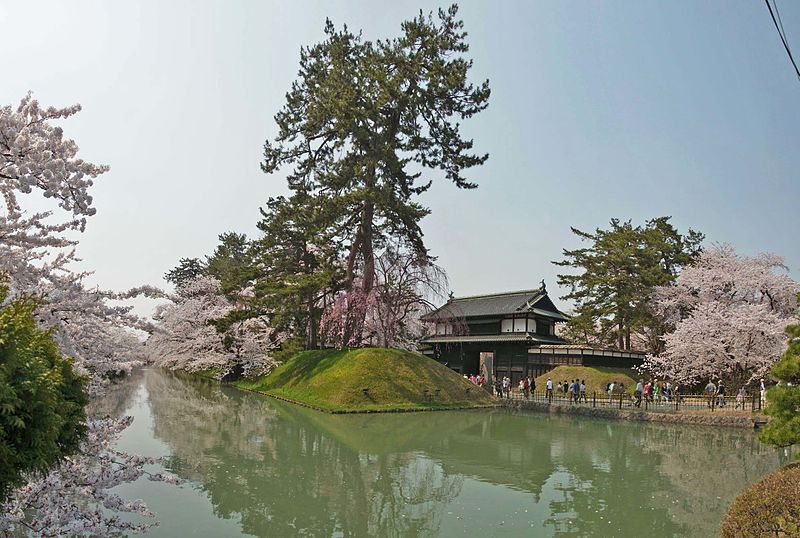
x,y
187,269
364,122
784,400
297,266
618,273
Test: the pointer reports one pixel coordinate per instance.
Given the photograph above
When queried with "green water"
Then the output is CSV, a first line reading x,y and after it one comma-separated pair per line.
x,y
258,467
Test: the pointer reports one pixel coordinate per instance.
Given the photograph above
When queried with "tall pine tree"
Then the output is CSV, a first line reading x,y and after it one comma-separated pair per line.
x,y
366,120
617,274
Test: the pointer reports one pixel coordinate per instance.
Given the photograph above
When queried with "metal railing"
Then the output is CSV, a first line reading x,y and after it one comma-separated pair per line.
x,y
660,403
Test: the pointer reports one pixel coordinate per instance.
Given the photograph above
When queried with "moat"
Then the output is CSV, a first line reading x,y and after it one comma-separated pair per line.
x,y
254,466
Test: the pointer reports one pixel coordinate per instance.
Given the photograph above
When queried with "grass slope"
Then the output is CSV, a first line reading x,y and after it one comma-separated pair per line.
x,y
597,377
334,380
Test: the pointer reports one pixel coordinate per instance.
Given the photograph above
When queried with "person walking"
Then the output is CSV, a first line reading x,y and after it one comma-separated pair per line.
x,y
720,394
638,393
711,391
576,391
498,387
583,391
549,390
526,387
740,398
610,390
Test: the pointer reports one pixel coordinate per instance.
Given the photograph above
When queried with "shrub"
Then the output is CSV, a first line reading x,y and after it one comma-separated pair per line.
x,y
770,507
41,397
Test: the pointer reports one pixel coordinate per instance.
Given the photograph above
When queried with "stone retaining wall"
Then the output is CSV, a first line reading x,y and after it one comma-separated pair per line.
x,y
637,416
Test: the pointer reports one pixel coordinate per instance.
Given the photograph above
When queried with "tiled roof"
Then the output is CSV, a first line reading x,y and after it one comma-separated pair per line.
x,y
505,337
497,304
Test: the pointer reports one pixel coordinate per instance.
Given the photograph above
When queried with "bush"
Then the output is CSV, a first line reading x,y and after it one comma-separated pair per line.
x,y
41,398
770,507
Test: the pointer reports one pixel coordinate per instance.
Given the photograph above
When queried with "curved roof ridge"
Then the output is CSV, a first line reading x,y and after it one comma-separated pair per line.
x,y
501,294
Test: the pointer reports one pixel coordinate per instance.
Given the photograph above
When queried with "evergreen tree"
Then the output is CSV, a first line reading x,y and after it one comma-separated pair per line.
x,y
618,273
231,264
363,123
187,270
784,400
297,266
41,398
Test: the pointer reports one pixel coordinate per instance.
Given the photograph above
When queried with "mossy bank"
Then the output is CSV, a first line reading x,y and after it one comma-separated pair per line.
x,y
368,380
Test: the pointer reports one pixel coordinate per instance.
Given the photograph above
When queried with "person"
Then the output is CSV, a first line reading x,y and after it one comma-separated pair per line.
x,y
638,393
740,398
532,384
576,391
648,387
668,392
711,390
559,388
498,387
763,394
507,386
611,391
526,387
549,390
656,388
583,391
720,394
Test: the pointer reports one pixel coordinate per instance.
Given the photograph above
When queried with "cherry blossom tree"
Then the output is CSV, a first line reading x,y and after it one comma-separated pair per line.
x,y
729,312
407,285
37,250
191,337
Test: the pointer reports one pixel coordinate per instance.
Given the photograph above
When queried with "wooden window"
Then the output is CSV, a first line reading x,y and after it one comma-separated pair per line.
x,y
507,326
519,325
543,328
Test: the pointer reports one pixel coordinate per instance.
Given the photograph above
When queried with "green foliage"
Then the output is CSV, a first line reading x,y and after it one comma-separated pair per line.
x,y
364,122
41,398
617,274
296,263
334,380
784,400
187,269
231,264
770,507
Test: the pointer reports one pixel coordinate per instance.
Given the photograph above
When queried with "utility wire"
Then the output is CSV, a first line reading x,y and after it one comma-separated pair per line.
x,y
782,36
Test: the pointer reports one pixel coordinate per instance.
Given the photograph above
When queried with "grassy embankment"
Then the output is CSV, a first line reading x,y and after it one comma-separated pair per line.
x,y
597,377
395,380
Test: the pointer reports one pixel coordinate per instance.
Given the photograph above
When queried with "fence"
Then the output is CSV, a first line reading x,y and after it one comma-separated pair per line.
x,y
660,403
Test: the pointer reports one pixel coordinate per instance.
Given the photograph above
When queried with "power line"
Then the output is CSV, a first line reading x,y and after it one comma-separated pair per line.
x,y
782,35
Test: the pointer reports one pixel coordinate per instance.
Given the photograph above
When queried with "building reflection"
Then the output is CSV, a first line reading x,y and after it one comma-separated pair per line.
x,y
287,471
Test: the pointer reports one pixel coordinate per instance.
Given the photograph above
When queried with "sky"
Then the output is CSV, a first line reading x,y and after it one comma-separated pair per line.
x,y
626,109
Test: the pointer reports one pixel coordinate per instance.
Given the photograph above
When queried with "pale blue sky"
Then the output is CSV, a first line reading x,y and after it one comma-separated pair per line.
x,y
599,109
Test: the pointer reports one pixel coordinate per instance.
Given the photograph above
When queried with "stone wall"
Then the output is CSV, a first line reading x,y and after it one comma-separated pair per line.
x,y
741,421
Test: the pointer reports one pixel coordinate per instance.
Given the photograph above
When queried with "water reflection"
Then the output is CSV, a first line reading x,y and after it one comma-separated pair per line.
x,y
282,470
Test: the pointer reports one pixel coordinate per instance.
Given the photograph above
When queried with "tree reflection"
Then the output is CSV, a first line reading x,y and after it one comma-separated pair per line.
x,y
284,470
283,475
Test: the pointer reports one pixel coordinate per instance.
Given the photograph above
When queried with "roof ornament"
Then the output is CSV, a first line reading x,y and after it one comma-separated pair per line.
x,y
543,288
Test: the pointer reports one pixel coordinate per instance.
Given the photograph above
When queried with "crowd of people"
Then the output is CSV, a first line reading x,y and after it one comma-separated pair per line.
x,y
649,391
